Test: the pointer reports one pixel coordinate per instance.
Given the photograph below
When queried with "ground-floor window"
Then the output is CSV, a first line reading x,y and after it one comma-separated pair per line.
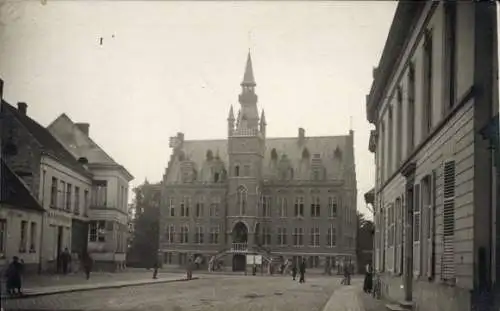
x,y
313,262
3,237
167,258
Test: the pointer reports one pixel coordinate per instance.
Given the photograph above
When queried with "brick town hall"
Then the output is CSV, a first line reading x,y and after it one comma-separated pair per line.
x,y
287,198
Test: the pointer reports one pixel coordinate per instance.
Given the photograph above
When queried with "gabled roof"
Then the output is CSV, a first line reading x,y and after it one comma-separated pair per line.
x,y
79,144
333,151
49,144
14,192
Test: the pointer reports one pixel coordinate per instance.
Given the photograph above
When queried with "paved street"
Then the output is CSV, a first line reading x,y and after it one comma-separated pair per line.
x,y
211,293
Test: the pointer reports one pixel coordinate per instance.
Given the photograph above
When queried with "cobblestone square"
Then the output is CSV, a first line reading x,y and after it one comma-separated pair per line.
x,y
210,293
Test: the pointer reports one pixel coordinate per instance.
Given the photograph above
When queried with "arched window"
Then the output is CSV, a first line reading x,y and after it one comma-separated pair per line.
x,y
236,170
241,199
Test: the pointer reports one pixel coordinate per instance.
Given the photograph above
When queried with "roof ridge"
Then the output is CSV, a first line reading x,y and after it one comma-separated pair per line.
x,y
47,141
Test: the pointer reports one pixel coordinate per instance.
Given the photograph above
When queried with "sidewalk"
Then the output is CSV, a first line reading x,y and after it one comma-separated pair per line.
x,y
352,298
40,285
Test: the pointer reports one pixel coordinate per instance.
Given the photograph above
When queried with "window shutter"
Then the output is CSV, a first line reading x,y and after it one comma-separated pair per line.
x,y
431,261
417,232
448,255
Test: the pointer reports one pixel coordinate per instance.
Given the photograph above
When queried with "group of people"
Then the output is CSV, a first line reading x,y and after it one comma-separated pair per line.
x,y
302,271
15,270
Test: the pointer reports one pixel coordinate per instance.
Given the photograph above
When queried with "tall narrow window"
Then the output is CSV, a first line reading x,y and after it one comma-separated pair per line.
x,y
24,236
76,209
266,206
410,117
448,256
315,206
299,206
266,236
331,237
214,207
390,142
214,235
282,241
3,237
53,193
62,195
399,127
99,193
332,207
450,8
200,206
184,206
428,80
170,234
85,202
171,207
241,200
383,152
282,205
198,236
68,197
184,234
236,170
33,236
314,241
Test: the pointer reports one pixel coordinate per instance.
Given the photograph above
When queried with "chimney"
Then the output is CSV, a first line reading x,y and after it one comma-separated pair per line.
x,y
1,89
302,134
22,108
84,127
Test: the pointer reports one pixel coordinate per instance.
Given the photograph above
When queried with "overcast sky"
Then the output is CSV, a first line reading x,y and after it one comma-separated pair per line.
x,y
166,67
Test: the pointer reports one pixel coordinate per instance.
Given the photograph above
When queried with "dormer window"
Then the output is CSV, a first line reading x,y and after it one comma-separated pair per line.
x,y
305,154
210,155
274,154
316,174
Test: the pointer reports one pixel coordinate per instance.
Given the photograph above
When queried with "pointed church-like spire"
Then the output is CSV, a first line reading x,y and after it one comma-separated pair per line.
x,y
248,78
231,114
263,118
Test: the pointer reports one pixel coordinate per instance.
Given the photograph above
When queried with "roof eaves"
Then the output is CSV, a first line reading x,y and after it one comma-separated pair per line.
x,y
405,17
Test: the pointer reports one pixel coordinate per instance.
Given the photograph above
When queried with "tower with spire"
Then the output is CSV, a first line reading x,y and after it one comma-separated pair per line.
x,y
246,146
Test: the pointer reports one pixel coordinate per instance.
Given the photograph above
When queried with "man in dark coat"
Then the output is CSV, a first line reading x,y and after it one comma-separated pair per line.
x,y
65,260
302,271
87,262
13,275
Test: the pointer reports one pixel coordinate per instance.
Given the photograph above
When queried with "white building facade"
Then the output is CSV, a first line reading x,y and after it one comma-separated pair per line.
x,y
434,90
108,207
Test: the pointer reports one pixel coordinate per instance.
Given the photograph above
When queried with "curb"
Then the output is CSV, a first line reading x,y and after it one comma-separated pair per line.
x,y
103,286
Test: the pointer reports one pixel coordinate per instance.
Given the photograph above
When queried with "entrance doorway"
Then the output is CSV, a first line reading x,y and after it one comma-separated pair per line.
x,y
60,233
240,240
239,262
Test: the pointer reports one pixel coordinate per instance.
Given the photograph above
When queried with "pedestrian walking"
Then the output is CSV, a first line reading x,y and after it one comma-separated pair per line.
x,y
156,264
302,271
294,271
87,263
189,269
65,260
368,282
13,276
